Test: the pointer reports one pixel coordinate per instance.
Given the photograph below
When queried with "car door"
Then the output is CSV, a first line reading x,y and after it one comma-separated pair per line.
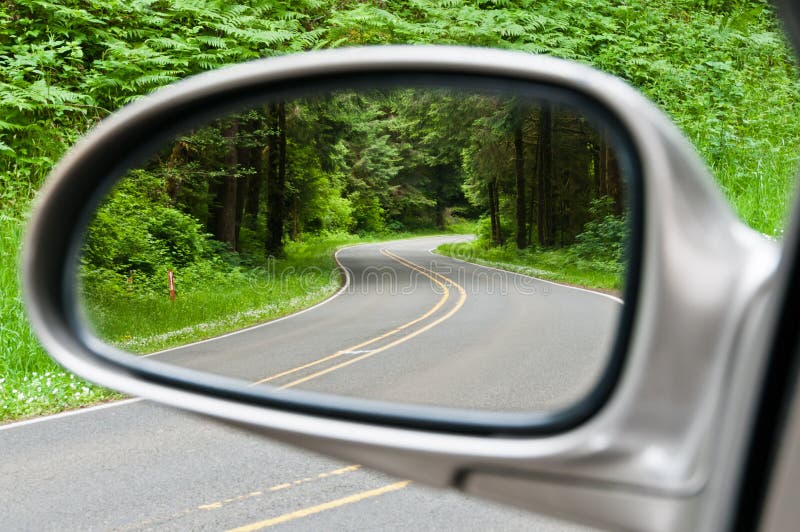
x,y
684,425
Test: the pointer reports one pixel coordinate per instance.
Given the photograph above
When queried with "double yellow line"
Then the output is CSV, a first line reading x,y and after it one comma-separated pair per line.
x,y
440,280
437,278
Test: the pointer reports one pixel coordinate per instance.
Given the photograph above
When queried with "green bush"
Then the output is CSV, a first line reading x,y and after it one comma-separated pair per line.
x,y
137,230
367,213
604,237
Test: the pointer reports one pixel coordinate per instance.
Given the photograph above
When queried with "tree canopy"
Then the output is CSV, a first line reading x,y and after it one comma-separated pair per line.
x,y
362,161
721,68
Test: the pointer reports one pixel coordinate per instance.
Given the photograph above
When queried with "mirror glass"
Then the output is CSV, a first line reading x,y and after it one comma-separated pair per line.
x,y
424,245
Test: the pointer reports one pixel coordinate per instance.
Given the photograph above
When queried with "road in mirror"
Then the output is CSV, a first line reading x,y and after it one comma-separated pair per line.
x,y
481,245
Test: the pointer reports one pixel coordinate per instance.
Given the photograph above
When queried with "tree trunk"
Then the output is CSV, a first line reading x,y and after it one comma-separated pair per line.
x,y
519,156
276,181
535,178
613,180
441,211
255,180
492,191
599,168
241,196
244,159
223,193
544,217
178,157
295,217
494,211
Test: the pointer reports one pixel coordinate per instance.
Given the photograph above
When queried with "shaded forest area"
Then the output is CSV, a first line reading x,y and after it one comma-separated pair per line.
x,y
537,173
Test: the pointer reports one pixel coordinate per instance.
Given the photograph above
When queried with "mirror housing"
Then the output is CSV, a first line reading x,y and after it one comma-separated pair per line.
x,y
698,273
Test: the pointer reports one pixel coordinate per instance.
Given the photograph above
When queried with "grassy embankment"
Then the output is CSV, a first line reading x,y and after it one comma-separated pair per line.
x,y
558,265
30,382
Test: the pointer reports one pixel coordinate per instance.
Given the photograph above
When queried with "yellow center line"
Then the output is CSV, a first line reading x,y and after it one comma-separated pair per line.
x,y
322,507
423,271
442,300
219,504
419,268
153,522
366,494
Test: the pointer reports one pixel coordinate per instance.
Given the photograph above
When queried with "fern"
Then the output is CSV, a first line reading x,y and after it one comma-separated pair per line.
x,y
154,80
212,40
720,69
5,148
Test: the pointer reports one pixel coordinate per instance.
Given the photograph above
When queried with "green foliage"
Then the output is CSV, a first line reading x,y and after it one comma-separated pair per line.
x,y
720,68
604,237
213,297
31,383
316,197
65,65
484,229
367,213
137,230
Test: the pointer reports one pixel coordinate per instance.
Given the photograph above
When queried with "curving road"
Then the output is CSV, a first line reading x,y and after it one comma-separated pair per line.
x,y
417,327
408,326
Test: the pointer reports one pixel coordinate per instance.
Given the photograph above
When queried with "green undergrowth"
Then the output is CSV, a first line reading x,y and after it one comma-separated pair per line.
x,y
213,300
558,265
31,383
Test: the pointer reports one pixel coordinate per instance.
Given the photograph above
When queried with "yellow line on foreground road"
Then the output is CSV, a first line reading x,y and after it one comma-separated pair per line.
x,y
397,485
423,271
337,354
322,507
278,487
163,519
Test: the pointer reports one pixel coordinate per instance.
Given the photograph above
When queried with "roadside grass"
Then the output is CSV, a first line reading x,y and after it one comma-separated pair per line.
x,y
558,265
754,160
761,191
210,302
31,383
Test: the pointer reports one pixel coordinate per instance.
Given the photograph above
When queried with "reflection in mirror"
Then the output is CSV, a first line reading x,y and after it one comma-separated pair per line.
x,y
480,244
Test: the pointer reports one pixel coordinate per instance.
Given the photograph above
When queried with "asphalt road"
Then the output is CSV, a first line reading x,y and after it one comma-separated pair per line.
x,y
417,327
409,326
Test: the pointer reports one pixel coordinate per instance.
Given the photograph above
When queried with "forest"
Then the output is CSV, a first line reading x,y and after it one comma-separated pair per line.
x,y
721,69
364,162
229,197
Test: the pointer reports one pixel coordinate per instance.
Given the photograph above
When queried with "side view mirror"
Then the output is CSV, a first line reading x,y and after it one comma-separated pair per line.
x,y
157,263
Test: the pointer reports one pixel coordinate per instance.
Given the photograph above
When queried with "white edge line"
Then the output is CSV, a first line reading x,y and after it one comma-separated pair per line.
x,y
603,294
123,402
68,413
341,290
